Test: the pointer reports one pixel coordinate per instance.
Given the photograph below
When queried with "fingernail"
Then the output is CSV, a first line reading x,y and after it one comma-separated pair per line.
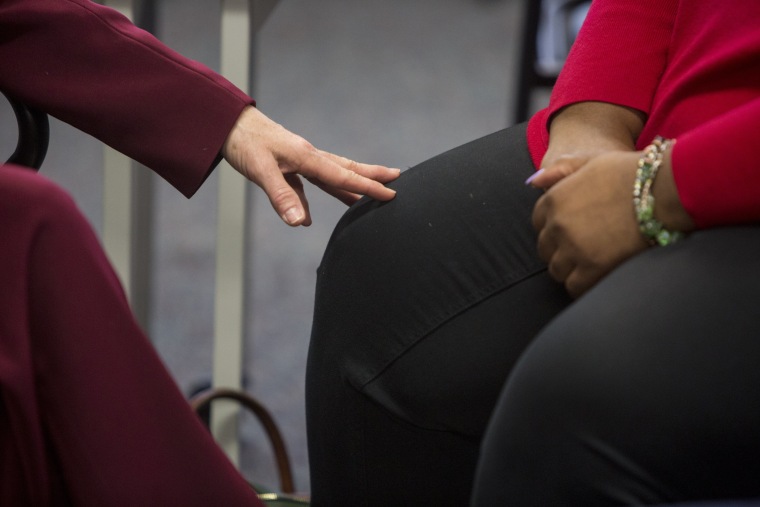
x,y
293,216
534,176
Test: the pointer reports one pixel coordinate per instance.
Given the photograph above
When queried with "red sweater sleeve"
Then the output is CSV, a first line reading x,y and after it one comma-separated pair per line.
x,y
716,168
618,57
90,67
693,69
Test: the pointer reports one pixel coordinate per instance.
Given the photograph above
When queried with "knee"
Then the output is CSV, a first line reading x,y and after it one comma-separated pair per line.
x,y
381,230
29,201
373,248
27,193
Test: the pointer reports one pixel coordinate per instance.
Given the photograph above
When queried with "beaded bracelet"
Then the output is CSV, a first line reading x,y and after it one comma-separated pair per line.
x,y
643,200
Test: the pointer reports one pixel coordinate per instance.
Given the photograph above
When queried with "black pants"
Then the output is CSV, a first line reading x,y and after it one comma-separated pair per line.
x,y
428,305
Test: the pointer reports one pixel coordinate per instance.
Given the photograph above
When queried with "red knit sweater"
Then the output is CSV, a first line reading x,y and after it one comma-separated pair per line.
x,y
694,68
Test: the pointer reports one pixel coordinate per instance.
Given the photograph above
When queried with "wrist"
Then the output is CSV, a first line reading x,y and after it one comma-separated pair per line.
x,y
595,126
668,205
661,218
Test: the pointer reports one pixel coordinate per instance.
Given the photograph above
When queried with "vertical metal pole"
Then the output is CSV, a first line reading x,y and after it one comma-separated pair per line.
x,y
117,195
127,208
231,242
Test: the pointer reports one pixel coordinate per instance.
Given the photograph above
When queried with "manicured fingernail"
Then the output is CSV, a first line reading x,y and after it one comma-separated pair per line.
x,y
534,176
293,216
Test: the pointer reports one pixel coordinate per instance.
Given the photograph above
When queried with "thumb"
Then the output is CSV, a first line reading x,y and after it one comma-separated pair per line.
x,y
284,198
286,203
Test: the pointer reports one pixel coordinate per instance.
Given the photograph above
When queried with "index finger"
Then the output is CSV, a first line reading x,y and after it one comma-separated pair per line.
x,y
323,168
375,172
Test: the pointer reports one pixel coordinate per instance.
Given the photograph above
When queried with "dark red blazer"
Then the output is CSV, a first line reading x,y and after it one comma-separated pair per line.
x,y
92,68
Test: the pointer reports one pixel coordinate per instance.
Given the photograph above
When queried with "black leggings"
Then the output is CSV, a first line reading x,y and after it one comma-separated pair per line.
x,y
427,306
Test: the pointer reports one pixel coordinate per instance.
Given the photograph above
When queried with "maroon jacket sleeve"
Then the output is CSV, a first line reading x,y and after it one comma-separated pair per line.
x,y
89,66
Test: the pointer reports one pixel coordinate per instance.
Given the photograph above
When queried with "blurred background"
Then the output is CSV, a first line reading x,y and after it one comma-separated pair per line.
x,y
392,82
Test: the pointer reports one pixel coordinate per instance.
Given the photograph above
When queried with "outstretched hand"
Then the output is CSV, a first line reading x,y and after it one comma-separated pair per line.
x,y
275,159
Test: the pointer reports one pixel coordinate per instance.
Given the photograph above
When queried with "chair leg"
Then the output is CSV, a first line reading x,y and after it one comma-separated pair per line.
x,y
527,77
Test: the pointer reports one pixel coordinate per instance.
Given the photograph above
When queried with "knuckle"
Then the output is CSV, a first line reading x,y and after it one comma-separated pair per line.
x,y
304,153
281,196
305,146
352,179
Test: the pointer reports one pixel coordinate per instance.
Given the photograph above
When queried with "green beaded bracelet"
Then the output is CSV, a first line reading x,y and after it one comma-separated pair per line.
x,y
643,200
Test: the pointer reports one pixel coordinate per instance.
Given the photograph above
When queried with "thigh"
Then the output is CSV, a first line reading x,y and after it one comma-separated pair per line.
x,y
421,309
451,378
457,233
645,391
